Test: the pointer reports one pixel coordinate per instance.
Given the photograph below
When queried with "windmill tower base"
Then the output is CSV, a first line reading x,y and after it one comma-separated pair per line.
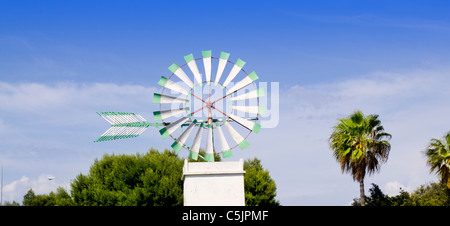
x,y
214,183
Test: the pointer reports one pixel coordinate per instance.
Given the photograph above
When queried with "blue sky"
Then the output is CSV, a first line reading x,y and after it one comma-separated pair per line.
x,y
119,41
62,61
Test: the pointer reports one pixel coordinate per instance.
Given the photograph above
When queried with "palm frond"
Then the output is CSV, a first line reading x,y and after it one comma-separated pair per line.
x,y
360,144
438,158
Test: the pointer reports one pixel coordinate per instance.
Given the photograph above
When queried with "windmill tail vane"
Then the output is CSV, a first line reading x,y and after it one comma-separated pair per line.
x,y
124,125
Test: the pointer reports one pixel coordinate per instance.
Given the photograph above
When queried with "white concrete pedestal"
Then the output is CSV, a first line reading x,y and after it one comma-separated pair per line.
x,y
214,183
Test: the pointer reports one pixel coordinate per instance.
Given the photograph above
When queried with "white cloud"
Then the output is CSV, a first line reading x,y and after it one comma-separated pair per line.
x,y
64,96
392,188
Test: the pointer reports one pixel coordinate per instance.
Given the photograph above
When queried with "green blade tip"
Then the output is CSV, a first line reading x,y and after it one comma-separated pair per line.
x,y
206,53
243,145
189,58
173,67
256,128
227,154
176,146
193,155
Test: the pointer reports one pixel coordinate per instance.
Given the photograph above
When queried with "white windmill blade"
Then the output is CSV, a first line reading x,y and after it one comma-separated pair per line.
x,y
166,131
165,99
251,109
193,66
253,126
243,83
226,152
166,83
234,71
250,95
178,144
238,138
174,68
209,155
222,62
207,64
159,115
195,148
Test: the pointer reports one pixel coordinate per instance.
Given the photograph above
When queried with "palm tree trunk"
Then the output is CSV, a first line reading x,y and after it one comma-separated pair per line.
x,y
361,193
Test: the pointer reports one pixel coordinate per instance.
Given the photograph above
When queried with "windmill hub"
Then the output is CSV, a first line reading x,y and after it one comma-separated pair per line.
x,y
209,104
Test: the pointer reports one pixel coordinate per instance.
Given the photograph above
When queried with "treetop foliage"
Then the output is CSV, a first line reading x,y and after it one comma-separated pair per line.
x,y
432,194
150,179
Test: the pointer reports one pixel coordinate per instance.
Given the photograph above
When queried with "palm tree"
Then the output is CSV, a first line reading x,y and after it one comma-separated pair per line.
x,y
359,144
438,158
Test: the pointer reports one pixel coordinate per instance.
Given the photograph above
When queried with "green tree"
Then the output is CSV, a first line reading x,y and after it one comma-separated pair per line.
x,y
13,203
359,144
152,179
260,188
377,197
60,198
438,158
433,194
401,199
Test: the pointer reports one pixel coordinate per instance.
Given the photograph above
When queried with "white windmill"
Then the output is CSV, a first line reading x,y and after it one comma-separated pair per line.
x,y
180,118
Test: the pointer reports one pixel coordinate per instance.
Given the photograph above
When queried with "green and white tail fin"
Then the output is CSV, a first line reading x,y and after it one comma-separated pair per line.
x,y
123,125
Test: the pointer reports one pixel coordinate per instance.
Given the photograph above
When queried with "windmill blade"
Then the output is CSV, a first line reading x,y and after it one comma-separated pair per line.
x,y
251,109
209,155
166,83
174,68
193,153
250,95
178,144
159,115
207,64
166,131
238,138
193,66
243,83
226,152
250,125
222,62
123,125
234,71
165,99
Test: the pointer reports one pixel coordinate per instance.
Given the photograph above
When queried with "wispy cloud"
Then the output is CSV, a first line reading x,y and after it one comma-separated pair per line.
x,y
35,97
